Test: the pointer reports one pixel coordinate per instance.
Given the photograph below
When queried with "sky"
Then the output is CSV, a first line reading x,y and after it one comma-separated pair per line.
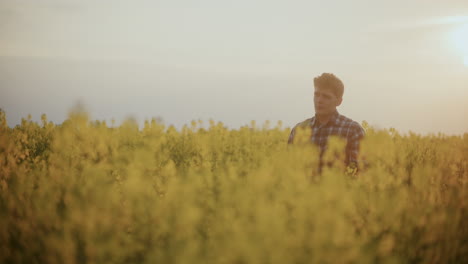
x,y
404,63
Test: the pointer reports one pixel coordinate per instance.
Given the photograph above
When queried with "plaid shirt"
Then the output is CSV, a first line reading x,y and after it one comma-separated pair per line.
x,y
338,125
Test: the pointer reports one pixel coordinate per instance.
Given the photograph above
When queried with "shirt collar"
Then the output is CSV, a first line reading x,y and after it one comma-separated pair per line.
x,y
330,122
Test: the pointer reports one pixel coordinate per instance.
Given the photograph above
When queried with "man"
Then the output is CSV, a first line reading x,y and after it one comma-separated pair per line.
x,y
328,122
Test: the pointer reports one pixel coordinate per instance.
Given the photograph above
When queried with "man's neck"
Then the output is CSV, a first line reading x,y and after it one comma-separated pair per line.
x,y
324,119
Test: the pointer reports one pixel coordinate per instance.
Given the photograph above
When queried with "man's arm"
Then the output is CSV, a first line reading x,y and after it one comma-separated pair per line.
x,y
304,128
353,145
291,135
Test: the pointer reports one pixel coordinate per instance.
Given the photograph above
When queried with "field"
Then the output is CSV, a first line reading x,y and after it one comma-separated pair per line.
x,y
87,192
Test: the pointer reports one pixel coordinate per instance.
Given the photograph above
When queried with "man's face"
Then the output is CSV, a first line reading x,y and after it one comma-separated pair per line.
x,y
325,101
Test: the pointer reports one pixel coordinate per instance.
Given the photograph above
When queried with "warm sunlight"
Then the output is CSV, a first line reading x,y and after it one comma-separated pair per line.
x,y
460,39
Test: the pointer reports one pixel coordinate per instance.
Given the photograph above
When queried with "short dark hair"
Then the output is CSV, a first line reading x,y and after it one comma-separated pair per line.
x,y
331,82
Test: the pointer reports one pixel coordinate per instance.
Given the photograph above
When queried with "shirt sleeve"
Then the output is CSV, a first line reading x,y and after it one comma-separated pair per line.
x,y
291,135
354,140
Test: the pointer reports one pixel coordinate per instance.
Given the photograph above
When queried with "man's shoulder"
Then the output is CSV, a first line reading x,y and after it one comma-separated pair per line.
x,y
346,121
299,128
352,127
304,124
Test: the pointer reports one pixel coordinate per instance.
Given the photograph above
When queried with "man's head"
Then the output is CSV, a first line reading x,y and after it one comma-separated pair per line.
x,y
328,93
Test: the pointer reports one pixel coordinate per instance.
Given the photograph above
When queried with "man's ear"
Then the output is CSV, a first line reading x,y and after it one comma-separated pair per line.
x,y
340,100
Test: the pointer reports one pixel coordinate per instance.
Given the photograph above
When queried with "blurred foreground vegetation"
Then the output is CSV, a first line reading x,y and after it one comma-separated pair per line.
x,y
84,192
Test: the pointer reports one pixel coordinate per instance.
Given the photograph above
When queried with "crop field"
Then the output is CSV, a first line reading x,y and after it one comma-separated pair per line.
x,y
87,192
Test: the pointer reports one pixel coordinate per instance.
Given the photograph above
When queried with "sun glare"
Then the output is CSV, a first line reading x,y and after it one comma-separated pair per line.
x,y
460,39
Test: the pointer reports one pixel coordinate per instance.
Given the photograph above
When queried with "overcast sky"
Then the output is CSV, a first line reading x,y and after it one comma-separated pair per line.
x,y
404,63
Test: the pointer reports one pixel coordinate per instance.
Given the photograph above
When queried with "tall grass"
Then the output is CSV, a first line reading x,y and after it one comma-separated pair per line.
x,y
84,192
